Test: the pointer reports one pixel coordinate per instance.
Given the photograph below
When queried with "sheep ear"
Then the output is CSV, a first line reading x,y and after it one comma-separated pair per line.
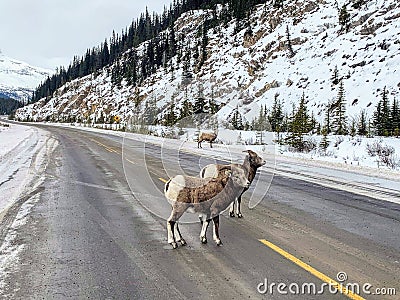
x,y
250,152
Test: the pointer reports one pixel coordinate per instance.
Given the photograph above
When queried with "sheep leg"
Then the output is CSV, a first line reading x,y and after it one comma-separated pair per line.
x,y
201,218
210,144
203,233
179,236
232,209
171,234
238,212
199,145
174,217
216,231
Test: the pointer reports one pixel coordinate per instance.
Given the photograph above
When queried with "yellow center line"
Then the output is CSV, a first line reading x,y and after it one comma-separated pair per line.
x,y
313,271
113,150
109,149
163,180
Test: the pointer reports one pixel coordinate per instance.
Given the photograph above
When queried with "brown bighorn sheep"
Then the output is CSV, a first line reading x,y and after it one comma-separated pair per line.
x,y
206,136
208,197
251,163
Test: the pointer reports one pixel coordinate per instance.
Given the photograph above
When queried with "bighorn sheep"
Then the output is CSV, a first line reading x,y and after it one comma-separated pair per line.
x,y
208,197
251,163
206,136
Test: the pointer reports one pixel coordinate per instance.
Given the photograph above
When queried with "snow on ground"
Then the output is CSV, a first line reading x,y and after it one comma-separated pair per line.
x,y
11,136
23,152
17,145
24,155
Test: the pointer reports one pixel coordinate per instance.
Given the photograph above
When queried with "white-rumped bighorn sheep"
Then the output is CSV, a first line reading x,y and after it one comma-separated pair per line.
x,y
251,163
207,197
206,136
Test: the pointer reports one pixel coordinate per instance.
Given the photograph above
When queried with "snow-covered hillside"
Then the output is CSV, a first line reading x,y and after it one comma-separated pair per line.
x,y
247,69
18,79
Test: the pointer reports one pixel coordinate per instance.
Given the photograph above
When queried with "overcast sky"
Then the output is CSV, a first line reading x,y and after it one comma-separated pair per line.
x,y
48,33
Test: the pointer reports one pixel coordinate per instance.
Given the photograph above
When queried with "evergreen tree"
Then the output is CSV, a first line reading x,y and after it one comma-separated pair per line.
x,y
377,119
204,43
290,52
303,117
298,126
105,54
8,105
382,116
344,18
186,74
261,123
172,42
387,126
212,106
395,117
200,103
324,141
339,123
327,120
186,110
362,128
276,115
247,125
335,76
237,120
313,123
150,114
170,119
353,128
172,70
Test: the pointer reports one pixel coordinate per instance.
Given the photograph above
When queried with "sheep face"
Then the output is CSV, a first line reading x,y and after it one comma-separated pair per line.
x,y
255,160
239,177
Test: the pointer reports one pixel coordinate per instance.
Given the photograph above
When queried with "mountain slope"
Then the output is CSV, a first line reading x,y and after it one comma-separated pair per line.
x,y
247,69
18,79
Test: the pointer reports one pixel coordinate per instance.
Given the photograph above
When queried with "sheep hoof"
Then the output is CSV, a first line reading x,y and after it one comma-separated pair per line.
x,y
239,215
203,240
232,214
183,242
219,243
174,245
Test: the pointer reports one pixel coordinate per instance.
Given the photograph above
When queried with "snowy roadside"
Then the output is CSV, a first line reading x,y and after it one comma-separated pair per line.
x,y
369,180
21,154
24,156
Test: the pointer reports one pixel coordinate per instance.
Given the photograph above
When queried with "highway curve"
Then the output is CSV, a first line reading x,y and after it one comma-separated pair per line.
x,y
88,237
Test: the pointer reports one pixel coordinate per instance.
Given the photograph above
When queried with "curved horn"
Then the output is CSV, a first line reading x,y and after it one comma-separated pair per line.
x,y
226,168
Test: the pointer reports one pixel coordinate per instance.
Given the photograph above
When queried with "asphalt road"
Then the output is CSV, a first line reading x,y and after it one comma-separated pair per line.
x,y
93,233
